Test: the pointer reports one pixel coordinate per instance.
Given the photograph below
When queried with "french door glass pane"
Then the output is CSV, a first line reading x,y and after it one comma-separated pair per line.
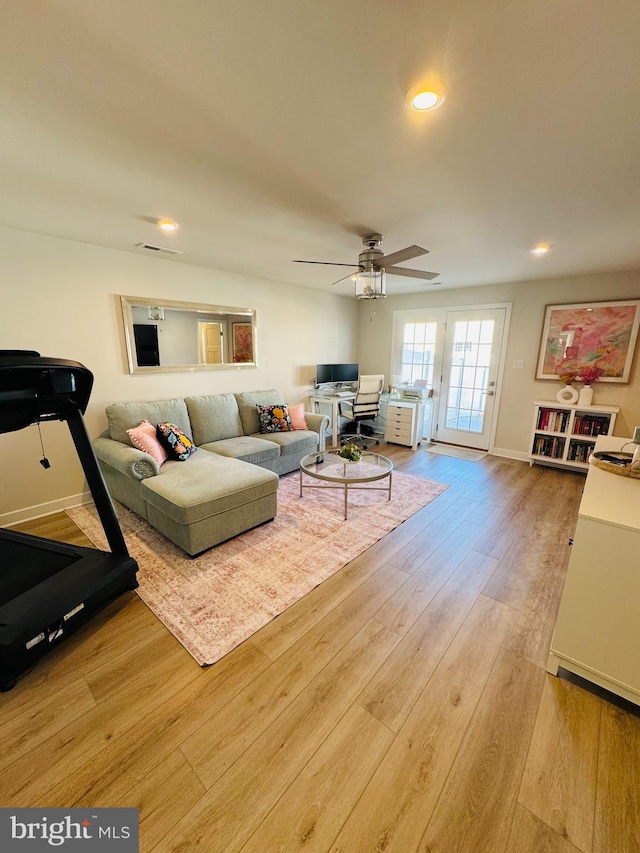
x,y
418,352
468,376
470,359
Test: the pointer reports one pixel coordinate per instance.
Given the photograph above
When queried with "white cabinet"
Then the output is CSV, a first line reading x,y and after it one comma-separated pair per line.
x,y
566,434
403,423
598,628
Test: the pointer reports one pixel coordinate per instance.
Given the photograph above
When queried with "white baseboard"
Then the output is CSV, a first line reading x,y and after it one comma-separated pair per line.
x,y
510,454
39,510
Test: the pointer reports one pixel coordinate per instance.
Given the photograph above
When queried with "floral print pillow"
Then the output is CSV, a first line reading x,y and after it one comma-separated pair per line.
x,y
177,444
274,419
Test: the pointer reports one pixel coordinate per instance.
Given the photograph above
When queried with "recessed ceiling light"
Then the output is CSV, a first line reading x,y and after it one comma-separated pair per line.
x,y
423,101
167,225
540,249
427,94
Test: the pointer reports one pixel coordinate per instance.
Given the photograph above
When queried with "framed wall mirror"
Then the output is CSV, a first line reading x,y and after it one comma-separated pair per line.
x,y
164,336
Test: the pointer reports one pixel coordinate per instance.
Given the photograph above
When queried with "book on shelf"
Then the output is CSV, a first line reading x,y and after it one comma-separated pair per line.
x,y
591,425
553,420
579,451
552,448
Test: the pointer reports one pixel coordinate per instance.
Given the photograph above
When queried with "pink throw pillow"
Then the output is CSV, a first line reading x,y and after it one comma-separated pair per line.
x,y
144,438
296,414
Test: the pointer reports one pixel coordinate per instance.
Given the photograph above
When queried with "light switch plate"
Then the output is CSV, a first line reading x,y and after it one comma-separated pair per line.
x,y
518,363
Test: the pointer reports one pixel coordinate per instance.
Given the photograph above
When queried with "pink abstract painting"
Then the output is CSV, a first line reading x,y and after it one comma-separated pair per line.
x,y
242,342
589,334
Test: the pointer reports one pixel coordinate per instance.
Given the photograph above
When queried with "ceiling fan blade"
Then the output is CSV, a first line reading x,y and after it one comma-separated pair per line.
x,y
403,255
412,273
342,279
325,263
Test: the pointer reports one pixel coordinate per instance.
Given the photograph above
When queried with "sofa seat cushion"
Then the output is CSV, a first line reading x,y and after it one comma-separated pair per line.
x,y
249,448
293,442
206,485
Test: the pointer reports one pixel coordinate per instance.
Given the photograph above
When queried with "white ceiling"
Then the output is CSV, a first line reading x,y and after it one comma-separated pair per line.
x,y
278,129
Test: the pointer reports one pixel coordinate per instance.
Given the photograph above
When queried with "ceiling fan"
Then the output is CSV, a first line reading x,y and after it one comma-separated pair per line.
x,y
373,264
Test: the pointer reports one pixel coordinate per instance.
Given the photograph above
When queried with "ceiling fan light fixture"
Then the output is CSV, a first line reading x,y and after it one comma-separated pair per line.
x,y
371,283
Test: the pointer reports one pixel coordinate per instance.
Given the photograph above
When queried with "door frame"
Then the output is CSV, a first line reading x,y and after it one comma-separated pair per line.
x,y
439,315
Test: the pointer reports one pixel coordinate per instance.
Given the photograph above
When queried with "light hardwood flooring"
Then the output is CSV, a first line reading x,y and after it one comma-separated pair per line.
x,y
403,705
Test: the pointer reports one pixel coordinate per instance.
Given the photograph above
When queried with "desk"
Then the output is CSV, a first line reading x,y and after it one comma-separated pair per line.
x,y
419,427
333,400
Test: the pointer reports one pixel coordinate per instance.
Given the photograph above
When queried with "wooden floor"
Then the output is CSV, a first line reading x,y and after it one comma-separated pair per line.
x,y
403,705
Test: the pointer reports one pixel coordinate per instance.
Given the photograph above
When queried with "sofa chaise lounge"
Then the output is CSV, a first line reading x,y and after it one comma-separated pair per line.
x,y
226,488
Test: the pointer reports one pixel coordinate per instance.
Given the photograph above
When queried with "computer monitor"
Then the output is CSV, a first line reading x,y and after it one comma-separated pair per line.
x,y
333,374
324,374
345,372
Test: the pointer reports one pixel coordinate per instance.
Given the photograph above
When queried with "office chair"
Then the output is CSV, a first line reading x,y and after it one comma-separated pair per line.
x,y
365,407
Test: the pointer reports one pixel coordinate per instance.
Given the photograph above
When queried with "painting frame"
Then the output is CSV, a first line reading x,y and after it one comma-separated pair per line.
x,y
242,343
593,333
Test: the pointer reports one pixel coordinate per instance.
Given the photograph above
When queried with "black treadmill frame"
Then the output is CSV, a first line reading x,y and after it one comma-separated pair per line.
x,y
44,615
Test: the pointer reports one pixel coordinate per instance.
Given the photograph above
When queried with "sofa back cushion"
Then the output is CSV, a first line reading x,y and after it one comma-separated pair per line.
x,y
214,418
124,416
247,402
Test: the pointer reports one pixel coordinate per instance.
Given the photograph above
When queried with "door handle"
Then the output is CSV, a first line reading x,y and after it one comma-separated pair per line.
x,y
489,393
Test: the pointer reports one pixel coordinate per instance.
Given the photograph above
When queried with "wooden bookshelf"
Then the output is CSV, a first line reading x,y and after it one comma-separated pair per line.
x,y
564,435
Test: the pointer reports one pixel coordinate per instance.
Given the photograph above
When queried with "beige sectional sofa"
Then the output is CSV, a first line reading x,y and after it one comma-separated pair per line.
x,y
230,485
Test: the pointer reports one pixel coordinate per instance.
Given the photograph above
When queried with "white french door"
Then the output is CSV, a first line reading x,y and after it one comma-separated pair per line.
x,y
470,367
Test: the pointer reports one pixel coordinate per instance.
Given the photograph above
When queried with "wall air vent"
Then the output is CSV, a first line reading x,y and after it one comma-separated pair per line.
x,y
152,248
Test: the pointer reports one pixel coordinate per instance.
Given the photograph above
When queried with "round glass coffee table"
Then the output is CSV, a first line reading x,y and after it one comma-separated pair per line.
x,y
333,469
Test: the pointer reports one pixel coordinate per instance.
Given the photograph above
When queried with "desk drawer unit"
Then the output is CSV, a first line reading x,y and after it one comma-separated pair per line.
x,y
400,426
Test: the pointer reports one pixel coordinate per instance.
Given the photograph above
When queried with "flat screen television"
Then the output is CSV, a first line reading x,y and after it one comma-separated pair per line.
x,y
336,373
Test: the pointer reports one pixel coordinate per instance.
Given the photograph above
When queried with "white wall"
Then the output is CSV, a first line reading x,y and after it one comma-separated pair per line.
x,y
520,388
62,299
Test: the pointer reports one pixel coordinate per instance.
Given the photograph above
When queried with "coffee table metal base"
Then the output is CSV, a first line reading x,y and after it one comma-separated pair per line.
x,y
346,483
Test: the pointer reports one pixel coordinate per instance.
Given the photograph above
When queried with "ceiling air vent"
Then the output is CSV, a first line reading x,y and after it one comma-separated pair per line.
x,y
152,248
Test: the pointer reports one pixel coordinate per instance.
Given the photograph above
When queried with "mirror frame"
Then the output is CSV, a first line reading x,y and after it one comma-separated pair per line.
x,y
129,302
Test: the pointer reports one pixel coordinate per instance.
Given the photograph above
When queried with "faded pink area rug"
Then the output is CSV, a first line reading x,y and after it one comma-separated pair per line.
x,y
213,602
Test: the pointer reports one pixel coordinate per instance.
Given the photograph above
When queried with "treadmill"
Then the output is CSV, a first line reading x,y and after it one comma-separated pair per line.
x,y
49,589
